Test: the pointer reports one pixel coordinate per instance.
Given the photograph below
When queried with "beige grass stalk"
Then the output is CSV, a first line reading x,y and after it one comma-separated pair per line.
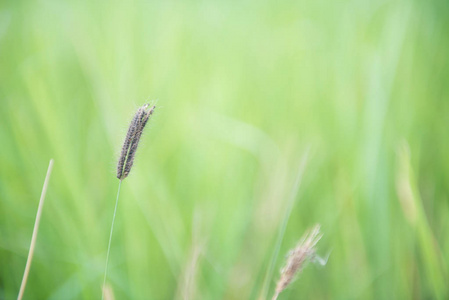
x,y
187,289
108,292
35,231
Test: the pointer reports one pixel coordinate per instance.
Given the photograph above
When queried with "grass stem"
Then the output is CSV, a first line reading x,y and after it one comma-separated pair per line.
x,y
291,202
110,239
35,231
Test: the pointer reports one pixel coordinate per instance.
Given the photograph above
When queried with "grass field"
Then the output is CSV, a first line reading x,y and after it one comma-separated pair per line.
x,y
245,91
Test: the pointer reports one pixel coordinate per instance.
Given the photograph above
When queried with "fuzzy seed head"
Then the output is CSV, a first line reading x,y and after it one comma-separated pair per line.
x,y
297,257
132,139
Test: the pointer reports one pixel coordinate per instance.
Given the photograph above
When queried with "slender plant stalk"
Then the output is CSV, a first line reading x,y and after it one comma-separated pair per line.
x,y
269,274
110,239
35,231
125,163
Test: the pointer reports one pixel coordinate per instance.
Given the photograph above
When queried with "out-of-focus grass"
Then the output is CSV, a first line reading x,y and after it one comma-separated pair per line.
x,y
243,88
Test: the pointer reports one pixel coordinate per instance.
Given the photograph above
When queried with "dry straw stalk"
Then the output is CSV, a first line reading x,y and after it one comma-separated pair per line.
x,y
35,231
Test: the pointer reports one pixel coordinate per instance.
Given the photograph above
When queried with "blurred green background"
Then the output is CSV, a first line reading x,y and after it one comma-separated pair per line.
x,y
243,89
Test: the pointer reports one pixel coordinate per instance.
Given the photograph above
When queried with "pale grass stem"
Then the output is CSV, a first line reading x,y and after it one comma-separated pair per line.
x,y
35,231
108,292
187,289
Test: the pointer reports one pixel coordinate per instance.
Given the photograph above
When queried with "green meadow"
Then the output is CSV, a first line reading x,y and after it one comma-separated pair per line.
x,y
271,117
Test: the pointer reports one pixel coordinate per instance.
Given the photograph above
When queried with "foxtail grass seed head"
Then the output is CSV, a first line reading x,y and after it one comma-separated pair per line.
x,y
132,139
298,257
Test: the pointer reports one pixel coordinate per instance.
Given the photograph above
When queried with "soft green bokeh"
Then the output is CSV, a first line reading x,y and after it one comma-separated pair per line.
x,y
242,90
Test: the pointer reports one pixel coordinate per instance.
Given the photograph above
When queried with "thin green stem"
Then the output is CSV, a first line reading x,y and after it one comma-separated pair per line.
x,y
110,239
281,233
